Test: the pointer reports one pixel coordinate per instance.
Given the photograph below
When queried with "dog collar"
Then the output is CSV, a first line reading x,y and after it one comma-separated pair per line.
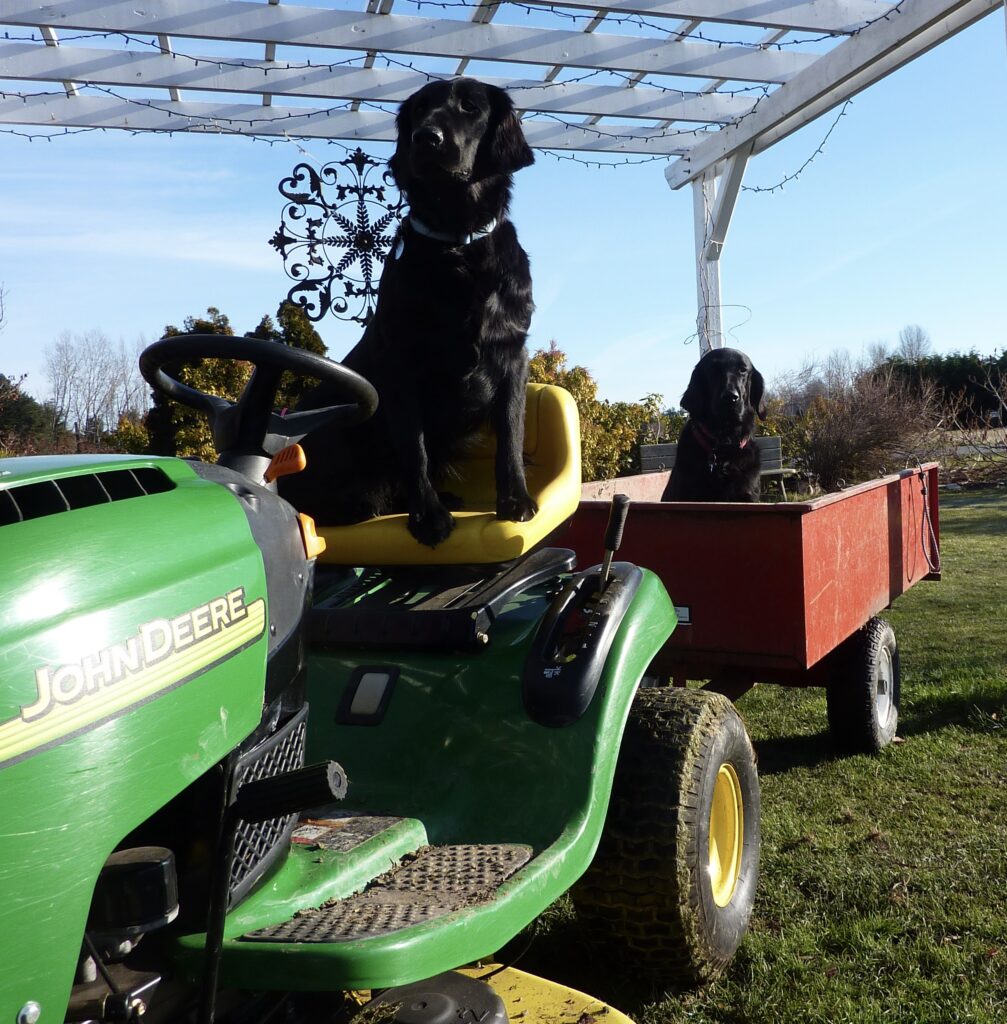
x,y
709,443
442,236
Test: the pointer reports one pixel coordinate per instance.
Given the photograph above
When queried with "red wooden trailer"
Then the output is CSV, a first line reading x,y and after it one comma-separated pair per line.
x,y
785,593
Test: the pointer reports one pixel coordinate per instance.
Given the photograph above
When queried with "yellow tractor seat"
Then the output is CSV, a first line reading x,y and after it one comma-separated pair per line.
x,y
552,470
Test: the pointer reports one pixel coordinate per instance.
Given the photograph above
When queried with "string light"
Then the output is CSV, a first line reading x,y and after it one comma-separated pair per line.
x,y
690,338
623,76
611,164
241,125
800,170
621,18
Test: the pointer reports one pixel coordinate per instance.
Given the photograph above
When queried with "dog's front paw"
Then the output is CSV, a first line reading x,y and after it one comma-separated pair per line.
x,y
516,509
451,501
431,525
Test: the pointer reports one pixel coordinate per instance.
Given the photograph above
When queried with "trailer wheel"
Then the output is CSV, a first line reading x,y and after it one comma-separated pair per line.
x,y
671,887
863,694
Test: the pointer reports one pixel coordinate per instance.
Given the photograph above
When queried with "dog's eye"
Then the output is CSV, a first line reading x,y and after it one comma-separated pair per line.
x,y
468,107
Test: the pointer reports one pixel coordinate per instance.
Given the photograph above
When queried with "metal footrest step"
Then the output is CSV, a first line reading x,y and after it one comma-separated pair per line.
x,y
433,883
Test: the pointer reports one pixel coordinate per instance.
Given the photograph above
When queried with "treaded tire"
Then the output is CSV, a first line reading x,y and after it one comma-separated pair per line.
x,y
863,694
649,893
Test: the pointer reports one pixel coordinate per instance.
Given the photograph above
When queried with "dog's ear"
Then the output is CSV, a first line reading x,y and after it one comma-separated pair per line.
x,y
398,162
696,398
756,388
504,149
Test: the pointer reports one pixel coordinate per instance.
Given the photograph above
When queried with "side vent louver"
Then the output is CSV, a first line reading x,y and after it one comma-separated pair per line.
x,y
32,501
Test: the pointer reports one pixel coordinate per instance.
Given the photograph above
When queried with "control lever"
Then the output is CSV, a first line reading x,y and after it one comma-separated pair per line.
x,y
613,535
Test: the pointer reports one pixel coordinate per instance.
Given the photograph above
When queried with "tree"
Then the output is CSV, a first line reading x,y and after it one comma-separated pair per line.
x,y
853,420
176,429
10,396
610,432
294,329
914,343
24,422
878,353
61,367
94,384
967,380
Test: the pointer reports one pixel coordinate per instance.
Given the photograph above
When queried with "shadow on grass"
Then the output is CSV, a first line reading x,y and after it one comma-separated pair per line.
x,y
980,713
983,713
992,523
780,754
565,954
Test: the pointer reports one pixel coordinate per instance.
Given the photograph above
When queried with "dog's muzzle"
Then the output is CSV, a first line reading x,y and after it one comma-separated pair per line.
x,y
428,137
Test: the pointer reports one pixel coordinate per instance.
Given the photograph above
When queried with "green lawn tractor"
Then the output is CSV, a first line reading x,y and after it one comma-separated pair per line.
x,y
246,779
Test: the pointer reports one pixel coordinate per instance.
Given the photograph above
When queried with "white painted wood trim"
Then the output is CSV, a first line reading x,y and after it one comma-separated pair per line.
x,y
812,16
709,324
727,197
390,33
850,67
88,111
387,85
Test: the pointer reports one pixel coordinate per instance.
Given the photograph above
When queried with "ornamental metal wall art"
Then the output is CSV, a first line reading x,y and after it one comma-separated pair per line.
x,y
334,234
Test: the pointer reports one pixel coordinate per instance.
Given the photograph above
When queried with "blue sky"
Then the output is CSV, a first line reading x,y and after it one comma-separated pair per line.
x,y
902,220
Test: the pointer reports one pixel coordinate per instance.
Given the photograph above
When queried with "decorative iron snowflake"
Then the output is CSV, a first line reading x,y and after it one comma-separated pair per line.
x,y
329,244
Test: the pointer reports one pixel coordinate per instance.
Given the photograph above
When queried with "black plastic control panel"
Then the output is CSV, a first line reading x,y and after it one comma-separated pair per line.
x,y
562,670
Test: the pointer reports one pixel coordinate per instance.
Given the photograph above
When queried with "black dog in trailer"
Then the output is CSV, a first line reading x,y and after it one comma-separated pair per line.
x,y
445,348
716,459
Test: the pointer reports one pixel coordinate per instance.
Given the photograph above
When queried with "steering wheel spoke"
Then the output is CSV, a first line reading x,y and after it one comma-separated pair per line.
x,y
250,429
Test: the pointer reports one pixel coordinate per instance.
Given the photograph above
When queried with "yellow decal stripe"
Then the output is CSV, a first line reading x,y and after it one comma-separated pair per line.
x,y
18,737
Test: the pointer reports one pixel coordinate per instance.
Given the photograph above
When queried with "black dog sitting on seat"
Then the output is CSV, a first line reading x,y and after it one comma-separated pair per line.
x,y
716,459
445,348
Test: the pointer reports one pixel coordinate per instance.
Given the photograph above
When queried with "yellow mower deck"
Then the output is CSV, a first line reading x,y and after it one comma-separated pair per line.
x,y
533,1000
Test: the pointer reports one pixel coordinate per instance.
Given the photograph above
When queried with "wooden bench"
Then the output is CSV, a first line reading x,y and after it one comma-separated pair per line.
x,y
655,458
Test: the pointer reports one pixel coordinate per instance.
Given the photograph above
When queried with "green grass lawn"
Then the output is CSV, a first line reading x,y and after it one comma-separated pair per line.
x,y
883,889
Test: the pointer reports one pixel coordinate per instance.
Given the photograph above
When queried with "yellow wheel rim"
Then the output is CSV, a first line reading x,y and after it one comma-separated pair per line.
x,y
727,834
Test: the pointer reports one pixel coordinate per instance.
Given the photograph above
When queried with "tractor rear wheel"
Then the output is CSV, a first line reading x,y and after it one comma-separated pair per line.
x,y
672,884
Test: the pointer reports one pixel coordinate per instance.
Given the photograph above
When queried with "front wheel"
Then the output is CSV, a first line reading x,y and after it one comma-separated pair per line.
x,y
672,884
862,696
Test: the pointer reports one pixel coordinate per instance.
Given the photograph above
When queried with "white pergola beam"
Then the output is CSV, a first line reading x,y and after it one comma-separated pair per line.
x,y
126,68
164,42
52,42
927,40
714,196
390,33
797,15
835,76
727,190
50,109
709,324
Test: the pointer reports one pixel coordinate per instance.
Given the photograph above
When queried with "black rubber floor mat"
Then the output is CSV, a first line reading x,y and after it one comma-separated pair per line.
x,y
436,881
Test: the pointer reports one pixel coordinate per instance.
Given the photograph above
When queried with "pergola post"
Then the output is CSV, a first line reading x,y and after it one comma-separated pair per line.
x,y
709,328
714,195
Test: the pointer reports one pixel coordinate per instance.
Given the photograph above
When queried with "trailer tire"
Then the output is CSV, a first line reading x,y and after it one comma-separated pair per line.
x,y
670,903
863,694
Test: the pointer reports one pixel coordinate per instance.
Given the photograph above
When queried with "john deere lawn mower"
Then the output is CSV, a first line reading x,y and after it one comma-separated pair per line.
x,y
251,771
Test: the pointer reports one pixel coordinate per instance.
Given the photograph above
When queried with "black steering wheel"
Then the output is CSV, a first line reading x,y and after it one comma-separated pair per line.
x,y
250,427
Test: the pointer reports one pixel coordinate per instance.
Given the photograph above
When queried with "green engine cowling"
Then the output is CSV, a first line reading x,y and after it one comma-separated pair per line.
x,y
138,623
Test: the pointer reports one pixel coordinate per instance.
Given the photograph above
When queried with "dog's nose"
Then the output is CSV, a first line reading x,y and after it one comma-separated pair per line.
x,y
731,396
428,135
